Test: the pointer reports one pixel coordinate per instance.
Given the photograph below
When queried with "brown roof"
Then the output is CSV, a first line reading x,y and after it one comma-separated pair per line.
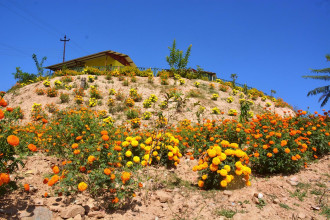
x,y
122,58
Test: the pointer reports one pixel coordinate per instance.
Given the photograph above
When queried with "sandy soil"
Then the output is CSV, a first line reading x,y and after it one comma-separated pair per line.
x,y
26,97
173,194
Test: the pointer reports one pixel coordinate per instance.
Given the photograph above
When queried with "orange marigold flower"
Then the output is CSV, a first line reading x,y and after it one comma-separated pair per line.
x,y
79,138
91,158
107,171
105,137
46,195
287,150
104,132
82,186
26,187
13,140
74,146
269,154
201,183
5,178
294,158
275,150
284,143
125,176
56,170
76,152
115,200
32,147
2,115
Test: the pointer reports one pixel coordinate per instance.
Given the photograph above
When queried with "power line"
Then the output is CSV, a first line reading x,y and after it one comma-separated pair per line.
x,y
65,40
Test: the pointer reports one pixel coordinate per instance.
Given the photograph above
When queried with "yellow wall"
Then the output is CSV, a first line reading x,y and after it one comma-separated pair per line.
x,y
101,62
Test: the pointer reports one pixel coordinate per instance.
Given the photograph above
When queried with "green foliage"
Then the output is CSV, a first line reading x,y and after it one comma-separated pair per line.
x,y
39,66
64,97
176,60
324,90
24,77
233,77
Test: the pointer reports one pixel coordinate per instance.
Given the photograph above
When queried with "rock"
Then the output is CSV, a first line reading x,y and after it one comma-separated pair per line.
x,y
222,218
260,196
301,215
29,172
38,202
96,214
156,218
39,213
294,179
292,183
163,197
276,201
25,214
256,200
227,193
55,208
315,207
8,211
72,211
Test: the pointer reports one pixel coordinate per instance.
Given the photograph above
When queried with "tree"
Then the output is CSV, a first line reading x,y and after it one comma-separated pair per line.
x,y
176,60
23,77
324,90
40,68
233,76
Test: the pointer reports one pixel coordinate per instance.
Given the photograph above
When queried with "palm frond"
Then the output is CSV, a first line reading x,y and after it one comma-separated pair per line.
x,y
326,78
327,96
323,89
325,70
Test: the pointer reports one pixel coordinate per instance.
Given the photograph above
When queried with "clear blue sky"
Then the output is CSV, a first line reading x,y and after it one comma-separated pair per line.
x,y
268,44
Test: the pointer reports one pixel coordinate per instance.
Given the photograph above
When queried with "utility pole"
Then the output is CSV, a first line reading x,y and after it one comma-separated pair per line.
x,y
65,40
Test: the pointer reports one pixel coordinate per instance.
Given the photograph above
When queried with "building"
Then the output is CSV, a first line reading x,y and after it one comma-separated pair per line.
x,y
105,58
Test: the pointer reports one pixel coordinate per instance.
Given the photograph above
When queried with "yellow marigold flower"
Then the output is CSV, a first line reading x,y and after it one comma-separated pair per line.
x,y
82,186
238,172
228,179
213,167
248,183
212,153
125,144
134,143
226,167
129,139
233,145
239,153
128,153
148,141
155,153
223,157
170,154
129,163
136,159
142,146
224,143
238,164
223,172
144,163
204,177
216,161
223,183
146,157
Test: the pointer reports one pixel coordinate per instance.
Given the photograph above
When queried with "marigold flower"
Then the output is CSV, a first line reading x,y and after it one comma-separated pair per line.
x,y
204,177
56,170
223,183
82,186
125,176
269,154
227,167
128,153
13,140
287,150
284,143
136,159
91,159
105,137
2,115
107,171
212,153
5,178
115,200
201,184
275,150
223,172
134,143
26,187
74,146
216,161
32,147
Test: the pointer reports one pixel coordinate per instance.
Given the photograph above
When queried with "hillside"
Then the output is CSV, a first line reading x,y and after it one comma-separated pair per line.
x,y
25,98
130,147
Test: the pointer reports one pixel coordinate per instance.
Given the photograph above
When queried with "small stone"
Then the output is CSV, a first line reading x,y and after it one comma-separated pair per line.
x,y
227,193
163,197
292,183
294,179
315,207
39,202
276,201
30,172
301,215
156,218
256,200
55,208
72,211
96,214
260,196
40,213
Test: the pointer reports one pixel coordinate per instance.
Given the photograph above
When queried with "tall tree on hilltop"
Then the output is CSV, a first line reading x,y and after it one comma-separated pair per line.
x,y
176,60
324,90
